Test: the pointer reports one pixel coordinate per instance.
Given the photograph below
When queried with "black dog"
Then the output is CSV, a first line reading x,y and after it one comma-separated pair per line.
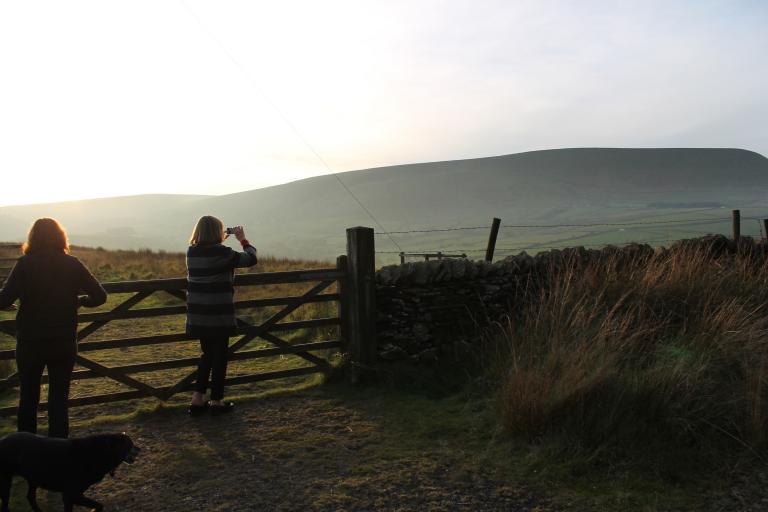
x,y
68,466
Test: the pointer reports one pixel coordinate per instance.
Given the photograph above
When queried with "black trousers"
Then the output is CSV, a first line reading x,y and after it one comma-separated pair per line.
x,y
213,364
31,358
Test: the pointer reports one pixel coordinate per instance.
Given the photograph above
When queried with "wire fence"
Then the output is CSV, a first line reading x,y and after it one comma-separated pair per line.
x,y
446,251
581,225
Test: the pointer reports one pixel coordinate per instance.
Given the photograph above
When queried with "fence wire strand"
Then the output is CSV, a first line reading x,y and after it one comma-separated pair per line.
x,y
431,252
573,225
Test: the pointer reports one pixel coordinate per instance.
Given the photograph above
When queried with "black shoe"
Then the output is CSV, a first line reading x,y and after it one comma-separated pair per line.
x,y
225,407
197,410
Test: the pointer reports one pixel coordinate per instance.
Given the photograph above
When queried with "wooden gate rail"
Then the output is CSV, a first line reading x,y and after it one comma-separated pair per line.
x,y
7,262
248,332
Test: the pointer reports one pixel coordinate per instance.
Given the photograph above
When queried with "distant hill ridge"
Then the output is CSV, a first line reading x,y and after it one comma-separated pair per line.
x,y
308,217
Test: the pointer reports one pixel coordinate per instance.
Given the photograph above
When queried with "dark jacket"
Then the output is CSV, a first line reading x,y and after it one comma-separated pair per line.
x,y
210,288
49,286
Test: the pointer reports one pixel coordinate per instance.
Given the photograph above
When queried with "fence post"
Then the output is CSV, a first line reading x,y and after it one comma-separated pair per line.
x,y
361,295
492,240
736,214
343,283
765,229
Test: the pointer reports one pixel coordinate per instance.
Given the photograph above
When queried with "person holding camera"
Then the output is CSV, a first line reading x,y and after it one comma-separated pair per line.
x,y
47,281
210,306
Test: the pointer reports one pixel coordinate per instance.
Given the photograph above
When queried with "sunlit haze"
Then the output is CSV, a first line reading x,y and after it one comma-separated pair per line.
x,y
118,98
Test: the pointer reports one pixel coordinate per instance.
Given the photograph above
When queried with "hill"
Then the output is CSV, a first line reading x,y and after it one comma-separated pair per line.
x,y
308,217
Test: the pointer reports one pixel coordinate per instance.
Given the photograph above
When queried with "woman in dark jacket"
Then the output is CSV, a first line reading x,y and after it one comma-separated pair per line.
x,y
210,306
48,282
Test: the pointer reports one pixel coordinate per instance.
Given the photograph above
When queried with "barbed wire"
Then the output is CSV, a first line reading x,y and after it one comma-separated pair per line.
x,y
433,230
572,225
599,224
564,245
527,246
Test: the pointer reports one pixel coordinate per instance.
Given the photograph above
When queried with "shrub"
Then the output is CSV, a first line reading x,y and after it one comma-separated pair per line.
x,y
655,356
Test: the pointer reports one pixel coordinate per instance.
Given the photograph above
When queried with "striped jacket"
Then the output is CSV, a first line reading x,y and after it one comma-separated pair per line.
x,y
210,288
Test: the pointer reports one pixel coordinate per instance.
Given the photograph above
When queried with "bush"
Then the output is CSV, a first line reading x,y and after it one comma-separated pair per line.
x,y
659,357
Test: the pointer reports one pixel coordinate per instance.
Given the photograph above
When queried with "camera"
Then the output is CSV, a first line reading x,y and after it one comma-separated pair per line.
x,y
229,231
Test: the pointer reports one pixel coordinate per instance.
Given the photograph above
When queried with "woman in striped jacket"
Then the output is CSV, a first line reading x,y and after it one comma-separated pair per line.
x,y
210,306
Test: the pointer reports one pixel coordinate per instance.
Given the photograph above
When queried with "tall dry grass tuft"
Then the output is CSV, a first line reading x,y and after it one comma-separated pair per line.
x,y
620,354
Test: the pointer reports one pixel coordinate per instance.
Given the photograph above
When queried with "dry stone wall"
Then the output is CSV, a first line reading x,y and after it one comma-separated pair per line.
x,y
428,310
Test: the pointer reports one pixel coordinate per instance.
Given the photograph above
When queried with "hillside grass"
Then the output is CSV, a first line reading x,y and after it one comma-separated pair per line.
x,y
652,369
656,227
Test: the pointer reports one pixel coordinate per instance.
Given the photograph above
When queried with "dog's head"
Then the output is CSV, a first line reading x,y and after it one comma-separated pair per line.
x,y
129,450
117,448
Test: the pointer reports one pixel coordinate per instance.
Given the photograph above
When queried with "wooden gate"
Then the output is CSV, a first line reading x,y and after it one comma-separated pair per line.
x,y
7,260
352,276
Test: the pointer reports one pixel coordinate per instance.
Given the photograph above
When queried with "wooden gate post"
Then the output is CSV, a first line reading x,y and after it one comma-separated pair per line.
x,y
361,298
343,266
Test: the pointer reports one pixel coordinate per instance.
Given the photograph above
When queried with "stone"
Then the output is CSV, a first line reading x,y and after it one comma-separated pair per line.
x,y
420,274
428,356
393,353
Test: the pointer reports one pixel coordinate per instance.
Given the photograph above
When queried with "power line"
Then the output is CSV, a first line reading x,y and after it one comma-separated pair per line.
x,y
282,115
370,214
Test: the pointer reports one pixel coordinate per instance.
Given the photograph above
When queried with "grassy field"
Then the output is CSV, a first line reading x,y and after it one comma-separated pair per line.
x,y
657,227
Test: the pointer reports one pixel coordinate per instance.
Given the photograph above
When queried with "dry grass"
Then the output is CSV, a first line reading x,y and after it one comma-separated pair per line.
x,y
664,357
124,265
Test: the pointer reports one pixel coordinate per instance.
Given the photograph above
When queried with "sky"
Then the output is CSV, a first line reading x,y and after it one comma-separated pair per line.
x,y
104,98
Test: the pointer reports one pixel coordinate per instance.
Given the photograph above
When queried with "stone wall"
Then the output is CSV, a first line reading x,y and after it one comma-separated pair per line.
x,y
427,310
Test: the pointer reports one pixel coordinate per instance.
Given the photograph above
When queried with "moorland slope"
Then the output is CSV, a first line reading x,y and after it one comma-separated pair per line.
x,y
307,218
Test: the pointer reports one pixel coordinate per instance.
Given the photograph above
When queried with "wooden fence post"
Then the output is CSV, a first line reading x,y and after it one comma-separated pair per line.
x,y
765,229
343,266
736,214
492,240
361,295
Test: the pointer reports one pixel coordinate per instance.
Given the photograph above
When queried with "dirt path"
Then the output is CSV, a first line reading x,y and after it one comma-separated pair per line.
x,y
291,452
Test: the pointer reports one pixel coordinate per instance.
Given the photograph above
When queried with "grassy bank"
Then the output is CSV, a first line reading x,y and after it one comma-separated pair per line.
x,y
652,369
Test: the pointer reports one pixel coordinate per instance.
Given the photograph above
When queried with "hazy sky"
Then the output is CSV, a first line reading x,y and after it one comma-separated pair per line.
x,y
107,98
